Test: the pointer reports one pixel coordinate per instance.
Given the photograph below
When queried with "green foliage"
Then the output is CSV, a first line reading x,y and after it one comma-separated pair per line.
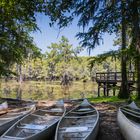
x,y
61,58
98,17
95,17
17,21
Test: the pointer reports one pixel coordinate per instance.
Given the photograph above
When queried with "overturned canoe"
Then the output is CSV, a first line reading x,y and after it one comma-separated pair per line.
x,y
11,117
16,102
81,123
40,124
3,106
128,118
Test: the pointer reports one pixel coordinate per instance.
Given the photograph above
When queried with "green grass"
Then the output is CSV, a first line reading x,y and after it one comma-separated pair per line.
x,y
106,99
137,102
113,99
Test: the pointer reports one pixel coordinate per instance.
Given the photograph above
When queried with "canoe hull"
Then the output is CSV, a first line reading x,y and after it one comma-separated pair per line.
x,y
129,130
31,125
94,133
81,123
6,126
47,134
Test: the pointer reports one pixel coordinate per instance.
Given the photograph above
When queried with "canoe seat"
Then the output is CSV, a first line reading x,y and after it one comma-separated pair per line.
x,y
76,129
78,117
131,114
32,126
132,111
55,110
84,109
84,112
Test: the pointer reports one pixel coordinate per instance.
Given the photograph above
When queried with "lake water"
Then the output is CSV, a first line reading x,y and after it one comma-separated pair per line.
x,y
40,90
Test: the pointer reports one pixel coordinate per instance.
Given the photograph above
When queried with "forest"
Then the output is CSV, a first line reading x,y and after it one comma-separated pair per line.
x,y
22,59
62,58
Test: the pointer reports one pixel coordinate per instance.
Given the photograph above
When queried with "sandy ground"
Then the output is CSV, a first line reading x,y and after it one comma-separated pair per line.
x,y
109,129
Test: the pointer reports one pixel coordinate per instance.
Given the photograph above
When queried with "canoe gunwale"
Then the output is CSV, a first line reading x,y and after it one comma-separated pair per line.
x,y
14,138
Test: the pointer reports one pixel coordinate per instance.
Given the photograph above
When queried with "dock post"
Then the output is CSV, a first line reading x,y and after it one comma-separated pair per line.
x,y
107,89
114,89
98,89
104,86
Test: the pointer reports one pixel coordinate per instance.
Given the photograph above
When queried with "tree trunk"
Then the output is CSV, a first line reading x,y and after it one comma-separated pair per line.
x,y
138,77
19,72
123,93
136,41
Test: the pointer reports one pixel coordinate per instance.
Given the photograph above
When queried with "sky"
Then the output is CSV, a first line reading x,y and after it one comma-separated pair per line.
x,y
48,35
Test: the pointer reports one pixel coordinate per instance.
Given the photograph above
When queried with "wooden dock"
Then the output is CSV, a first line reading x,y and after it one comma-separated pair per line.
x,y
110,80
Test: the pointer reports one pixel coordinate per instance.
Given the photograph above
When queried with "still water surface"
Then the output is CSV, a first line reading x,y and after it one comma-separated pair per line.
x,y
40,90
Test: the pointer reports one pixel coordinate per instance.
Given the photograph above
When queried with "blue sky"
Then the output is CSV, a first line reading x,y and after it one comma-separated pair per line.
x,y
52,35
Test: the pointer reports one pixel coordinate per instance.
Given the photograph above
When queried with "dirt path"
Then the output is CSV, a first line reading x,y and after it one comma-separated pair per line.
x,y
109,129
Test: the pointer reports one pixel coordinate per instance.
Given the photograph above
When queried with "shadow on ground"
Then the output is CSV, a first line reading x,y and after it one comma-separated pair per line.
x,y
109,129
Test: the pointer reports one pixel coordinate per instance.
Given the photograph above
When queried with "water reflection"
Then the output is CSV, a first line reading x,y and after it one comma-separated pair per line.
x,y
6,91
43,90
50,93
18,91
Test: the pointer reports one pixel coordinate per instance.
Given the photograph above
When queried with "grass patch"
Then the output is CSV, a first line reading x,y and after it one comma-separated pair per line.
x,y
137,101
106,99
114,99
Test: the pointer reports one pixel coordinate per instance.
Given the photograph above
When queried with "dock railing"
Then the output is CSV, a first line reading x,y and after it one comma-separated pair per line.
x,y
114,77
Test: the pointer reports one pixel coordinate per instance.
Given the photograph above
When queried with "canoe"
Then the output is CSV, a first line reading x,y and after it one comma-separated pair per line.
x,y
16,102
12,116
40,124
128,118
80,123
3,106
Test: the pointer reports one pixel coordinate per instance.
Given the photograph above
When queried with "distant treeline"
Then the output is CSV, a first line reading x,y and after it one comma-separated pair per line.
x,y
77,69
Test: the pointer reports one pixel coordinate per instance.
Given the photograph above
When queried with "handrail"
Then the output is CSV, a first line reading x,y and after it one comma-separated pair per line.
x,y
114,76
